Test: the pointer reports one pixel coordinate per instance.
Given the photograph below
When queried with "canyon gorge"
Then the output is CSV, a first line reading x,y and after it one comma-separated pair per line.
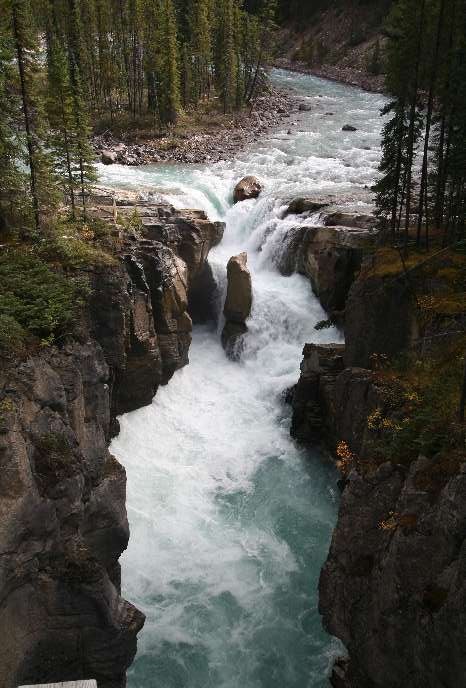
x,y
162,486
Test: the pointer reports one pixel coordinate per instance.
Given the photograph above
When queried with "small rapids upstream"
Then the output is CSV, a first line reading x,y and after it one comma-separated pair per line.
x,y
230,520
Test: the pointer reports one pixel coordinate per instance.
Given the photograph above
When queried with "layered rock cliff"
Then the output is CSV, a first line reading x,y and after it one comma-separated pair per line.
x,y
330,255
64,521
393,586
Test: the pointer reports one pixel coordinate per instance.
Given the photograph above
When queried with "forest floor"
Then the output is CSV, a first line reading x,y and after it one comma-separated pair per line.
x,y
199,136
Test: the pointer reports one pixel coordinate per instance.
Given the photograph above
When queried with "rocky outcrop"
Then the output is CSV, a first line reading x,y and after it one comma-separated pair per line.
x,y
64,521
238,303
355,220
300,206
246,188
309,414
332,403
64,524
330,257
140,308
393,587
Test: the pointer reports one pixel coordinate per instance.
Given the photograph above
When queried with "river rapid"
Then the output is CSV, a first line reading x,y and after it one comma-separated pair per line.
x,y
230,520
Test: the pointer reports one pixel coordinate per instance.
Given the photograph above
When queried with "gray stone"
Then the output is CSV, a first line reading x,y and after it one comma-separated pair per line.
x,y
247,188
109,157
299,206
238,302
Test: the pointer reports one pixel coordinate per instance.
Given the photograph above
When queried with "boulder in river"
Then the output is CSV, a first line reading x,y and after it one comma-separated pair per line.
x,y
299,206
353,220
109,157
349,127
305,107
246,188
238,304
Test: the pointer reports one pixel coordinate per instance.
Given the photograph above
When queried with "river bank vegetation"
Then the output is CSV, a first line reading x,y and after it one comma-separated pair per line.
x,y
67,66
422,188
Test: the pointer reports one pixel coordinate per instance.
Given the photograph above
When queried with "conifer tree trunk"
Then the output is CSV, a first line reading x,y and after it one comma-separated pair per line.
x,y
430,109
18,36
412,121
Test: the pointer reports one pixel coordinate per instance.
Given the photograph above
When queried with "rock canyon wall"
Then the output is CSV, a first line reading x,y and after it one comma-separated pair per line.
x,y
393,586
64,521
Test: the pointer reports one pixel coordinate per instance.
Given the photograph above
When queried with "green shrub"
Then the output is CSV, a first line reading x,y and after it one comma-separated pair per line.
x,y
420,415
72,252
12,335
35,299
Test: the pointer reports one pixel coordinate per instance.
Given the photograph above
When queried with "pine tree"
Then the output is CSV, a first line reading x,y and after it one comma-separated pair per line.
x,y
400,136
25,40
170,99
423,191
201,47
226,63
12,178
82,160
60,108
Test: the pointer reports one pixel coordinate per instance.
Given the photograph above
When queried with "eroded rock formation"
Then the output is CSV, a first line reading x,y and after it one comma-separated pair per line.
x,y
393,587
329,256
238,303
64,521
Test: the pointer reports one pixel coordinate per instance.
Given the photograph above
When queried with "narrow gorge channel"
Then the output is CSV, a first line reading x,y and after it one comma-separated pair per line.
x,y
230,520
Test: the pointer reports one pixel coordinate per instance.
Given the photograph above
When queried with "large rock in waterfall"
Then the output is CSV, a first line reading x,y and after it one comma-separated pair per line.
x,y
238,303
248,187
239,294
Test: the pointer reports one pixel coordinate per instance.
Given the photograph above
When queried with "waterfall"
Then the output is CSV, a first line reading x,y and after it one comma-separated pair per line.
x,y
230,520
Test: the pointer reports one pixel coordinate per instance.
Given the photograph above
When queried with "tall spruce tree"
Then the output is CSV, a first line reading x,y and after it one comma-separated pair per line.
x,y
169,74
60,109
26,47
226,63
12,178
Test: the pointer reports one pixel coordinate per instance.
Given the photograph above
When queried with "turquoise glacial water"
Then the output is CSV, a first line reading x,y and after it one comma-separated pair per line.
x,y
230,520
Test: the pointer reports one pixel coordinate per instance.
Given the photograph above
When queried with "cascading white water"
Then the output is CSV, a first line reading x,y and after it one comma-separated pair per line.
x,y
230,521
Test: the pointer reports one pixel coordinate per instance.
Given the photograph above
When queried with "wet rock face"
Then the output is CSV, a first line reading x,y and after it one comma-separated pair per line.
x,y
393,587
64,525
299,206
140,309
396,593
341,219
249,187
238,303
329,256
